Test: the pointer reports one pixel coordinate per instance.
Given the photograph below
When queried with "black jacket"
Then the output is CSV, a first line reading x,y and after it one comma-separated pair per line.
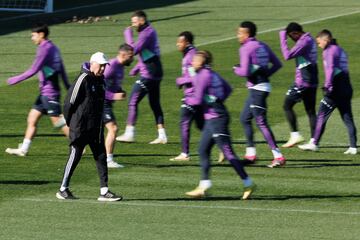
x,y
83,107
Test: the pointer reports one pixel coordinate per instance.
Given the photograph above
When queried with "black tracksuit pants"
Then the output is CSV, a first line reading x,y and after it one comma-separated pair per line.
x,y
76,150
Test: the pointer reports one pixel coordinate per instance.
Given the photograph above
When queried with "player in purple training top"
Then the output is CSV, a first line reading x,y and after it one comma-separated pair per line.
x,y
188,113
255,60
306,78
150,69
113,76
211,91
49,66
337,92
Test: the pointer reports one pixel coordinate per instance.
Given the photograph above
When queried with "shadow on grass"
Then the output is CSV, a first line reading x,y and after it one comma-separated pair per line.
x,y
26,182
253,198
143,155
179,16
323,165
317,160
114,7
37,135
299,163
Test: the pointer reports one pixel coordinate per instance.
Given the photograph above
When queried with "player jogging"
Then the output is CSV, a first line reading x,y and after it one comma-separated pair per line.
x,y
83,112
337,92
306,78
188,113
114,74
211,91
49,66
150,69
255,58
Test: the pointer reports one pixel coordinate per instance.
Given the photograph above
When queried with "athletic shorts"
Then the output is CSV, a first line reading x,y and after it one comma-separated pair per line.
x,y
46,106
108,115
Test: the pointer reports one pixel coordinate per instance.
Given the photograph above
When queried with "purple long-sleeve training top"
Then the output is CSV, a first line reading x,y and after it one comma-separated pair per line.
x,y
146,45
113,76
49,65
335,61
186,79
256,56
305,53
208,87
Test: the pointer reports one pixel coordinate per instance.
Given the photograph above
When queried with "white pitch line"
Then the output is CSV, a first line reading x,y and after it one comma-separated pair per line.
x,y
191,206
279,28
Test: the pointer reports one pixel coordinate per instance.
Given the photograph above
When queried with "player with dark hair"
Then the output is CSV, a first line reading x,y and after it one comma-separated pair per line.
x,y
188,113
255,58
49,66
113,76
306,78
83,112
337,92
150,69
211,91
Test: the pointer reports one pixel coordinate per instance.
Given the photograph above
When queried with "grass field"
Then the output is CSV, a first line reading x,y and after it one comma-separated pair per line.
x,y
316,196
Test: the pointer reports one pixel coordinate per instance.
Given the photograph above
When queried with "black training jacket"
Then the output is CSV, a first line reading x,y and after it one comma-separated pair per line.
x,y
83,107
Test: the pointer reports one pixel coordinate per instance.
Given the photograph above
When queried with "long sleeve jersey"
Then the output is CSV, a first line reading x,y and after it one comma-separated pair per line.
x,y
114,74
209,88
147,48
255,58
49,65
335,61
186,80
305,53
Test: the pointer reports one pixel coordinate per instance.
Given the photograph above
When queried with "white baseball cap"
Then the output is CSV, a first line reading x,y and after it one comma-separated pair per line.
x,y
99,58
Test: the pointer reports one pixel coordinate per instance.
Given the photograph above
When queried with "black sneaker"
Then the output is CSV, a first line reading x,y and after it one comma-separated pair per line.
x,y
109,197
65,195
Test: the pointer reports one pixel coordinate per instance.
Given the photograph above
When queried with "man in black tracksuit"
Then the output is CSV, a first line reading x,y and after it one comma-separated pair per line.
x,y
83,110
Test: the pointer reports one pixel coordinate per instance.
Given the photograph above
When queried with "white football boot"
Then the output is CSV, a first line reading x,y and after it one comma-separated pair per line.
x,y
351,151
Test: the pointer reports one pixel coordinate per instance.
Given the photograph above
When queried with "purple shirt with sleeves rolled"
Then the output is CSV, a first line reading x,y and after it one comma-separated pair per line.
x,y
256,53
335,61
47,63
304,50
185,79
147,39
208,83
114,74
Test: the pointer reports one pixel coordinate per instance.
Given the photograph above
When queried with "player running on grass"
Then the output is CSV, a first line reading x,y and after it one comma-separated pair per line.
x,y
49,66
83,111
255,58
188,113
306,78
114,74
150,69
210,93
337,92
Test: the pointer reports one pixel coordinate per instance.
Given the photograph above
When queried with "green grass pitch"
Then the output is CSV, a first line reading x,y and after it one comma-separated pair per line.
x,y
316,196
